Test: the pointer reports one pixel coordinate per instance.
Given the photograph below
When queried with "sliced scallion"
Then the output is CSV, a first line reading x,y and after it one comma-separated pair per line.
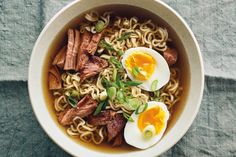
x,y
132,104
100,25
72,101
124,36
111,92
141,108
135,71
120,96
100,106
149,131
117,63
128,117
154,85
132,83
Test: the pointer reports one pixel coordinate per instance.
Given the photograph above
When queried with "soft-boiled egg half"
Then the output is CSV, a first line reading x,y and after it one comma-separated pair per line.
x,y
147,66
148,126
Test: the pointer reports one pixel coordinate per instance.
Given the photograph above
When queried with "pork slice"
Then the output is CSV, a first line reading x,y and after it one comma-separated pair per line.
x,y
83,57
115,126
60,58
118,140
170,56
54,78
103,118
84,108
92,47
72,49
94,66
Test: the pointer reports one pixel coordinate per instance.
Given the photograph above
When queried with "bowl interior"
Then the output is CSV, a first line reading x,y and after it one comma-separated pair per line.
x,y
53,37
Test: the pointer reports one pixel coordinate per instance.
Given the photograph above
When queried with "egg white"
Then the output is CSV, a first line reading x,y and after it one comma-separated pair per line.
x,y
134,137
161,71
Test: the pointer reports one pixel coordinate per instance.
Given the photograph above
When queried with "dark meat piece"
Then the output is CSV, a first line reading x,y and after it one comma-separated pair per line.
x,y
60,58
92,47
118,140
84,108
102,118
115,126
54,78
72,49
115,122
94,66
83,57
170,56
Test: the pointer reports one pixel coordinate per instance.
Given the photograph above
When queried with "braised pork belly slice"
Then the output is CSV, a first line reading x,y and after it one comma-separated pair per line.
x,y
54,78
83,57
170,56
85,107
115,122
60,58
94,66
72,49
118,140
92,47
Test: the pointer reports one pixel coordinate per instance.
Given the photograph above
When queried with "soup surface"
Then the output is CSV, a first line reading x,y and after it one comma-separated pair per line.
x,y
105,70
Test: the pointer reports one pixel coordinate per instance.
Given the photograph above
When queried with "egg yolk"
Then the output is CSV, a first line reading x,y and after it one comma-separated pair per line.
x,y
141,65
154,116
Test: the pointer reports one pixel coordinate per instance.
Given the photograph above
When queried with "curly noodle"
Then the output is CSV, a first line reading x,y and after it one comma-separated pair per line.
x,y
146,34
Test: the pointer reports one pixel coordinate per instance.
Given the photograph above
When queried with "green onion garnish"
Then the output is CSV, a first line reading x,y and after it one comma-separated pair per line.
x,y
120,96
124,36
149,131
114,75
128,117
154,85
135,71
72,101
114,61
111,92
141,108
132,83
101,105
100,25
132,103
106,45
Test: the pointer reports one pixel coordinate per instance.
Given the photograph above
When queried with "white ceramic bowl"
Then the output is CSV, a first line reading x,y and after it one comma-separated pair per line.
x,y
193,98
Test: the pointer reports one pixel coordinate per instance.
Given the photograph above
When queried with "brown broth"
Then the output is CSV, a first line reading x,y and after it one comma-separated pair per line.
x,y
120,10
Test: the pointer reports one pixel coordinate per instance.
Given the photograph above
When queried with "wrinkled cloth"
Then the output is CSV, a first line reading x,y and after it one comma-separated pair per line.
x,y
213,131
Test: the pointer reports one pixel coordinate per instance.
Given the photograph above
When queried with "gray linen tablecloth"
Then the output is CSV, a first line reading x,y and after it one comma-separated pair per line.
x,y
213,132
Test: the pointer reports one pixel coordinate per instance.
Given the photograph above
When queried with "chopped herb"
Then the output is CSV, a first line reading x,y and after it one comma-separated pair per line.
x,y
128,117
132,83
106,45
72,101
124,36
132,103
120,96
114,74
108,84
117,63
101,105
149,131
120,53
100,25
135,71
111,92
154,85
141,108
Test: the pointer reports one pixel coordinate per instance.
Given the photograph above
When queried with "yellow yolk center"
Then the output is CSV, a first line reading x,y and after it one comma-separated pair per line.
x,y
141,65
154,116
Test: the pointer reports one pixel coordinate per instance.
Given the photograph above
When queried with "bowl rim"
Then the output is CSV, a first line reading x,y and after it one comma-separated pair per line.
x,y
31,70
